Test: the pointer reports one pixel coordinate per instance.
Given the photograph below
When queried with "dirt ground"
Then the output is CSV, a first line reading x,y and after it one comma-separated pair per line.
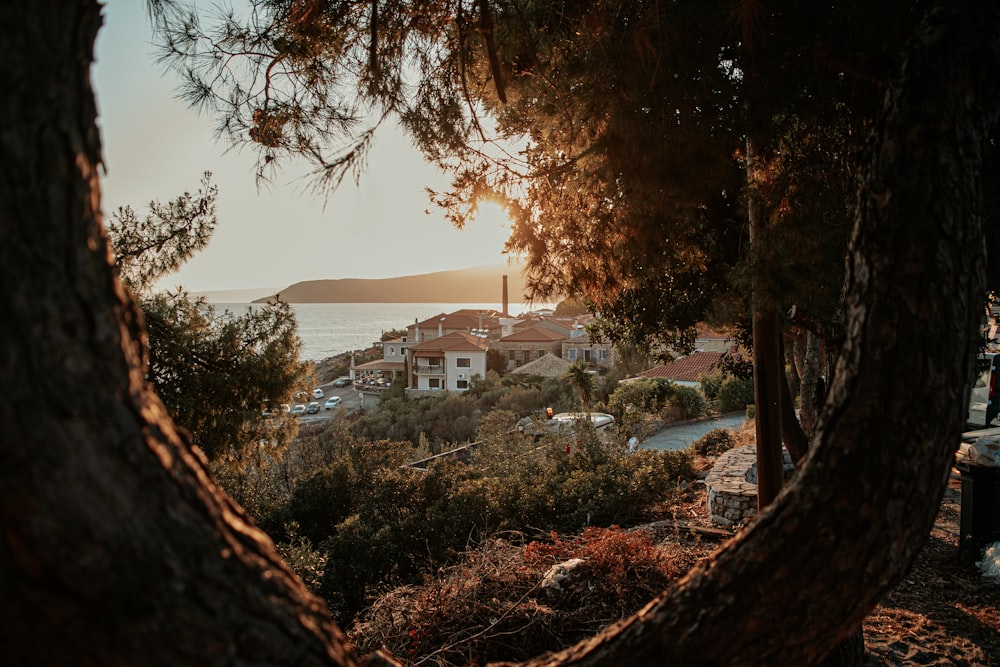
x,y
943,613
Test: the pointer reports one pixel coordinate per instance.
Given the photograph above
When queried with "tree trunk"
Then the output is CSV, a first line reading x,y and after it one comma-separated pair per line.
x,y
117,548
807,360
768,374
795,438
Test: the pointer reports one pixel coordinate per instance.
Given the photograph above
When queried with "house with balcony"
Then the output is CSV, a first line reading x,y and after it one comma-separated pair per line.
x,y
533,343
384,372
446,363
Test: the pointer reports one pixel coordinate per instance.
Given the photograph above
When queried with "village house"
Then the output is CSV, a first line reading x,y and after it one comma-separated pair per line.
x,y
710,340
580,346
480,323
446,363
685,371
530,344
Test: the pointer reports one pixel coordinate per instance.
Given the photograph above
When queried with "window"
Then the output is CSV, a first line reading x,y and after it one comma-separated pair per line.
x,y
602,354
587,356
511,355
572,354
434,383
463,362
462,384
392,351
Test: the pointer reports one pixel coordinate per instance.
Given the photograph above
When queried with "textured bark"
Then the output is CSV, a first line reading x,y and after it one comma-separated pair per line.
x,y
117,548
807,362
767,365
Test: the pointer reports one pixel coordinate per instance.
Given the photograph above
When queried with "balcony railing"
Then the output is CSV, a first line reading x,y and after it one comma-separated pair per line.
x,y
430,370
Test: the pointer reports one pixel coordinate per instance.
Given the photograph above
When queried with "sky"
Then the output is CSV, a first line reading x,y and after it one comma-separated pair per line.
x,y
156,148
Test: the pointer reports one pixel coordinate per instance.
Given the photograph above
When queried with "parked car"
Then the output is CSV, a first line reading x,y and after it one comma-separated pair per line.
x,y
312,408
332,402
318,393
298,409
984,401
342,381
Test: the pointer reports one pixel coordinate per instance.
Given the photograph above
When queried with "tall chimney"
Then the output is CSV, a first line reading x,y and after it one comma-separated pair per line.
x,y
505,313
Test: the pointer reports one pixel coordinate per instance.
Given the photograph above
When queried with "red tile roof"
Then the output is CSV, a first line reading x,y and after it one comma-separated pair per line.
x,y
466,318
686,369
535,334
456,341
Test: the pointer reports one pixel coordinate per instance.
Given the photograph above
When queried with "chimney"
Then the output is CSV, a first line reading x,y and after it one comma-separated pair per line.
x,y
505,313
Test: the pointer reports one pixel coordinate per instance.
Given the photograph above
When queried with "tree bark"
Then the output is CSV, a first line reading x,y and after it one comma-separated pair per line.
x,y
792,434
117,548
807,360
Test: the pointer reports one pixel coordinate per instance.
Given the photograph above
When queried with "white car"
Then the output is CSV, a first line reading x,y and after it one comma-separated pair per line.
x,y
331,402
299,409
318,393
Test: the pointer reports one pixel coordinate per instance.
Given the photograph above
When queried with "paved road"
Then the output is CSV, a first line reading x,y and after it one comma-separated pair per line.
x,y
348,395
682,435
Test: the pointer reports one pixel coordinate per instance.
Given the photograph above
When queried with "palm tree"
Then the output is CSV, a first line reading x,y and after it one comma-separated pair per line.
x,y
582,380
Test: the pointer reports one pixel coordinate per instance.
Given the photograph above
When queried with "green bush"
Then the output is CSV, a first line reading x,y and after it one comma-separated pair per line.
x,y
735,394
691,401
711,383
713,443
358,520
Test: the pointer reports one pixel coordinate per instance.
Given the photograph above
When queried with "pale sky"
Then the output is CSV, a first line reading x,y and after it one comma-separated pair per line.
x,y
157,148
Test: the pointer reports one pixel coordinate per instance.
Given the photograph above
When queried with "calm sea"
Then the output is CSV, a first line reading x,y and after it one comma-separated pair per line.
x,y
327,329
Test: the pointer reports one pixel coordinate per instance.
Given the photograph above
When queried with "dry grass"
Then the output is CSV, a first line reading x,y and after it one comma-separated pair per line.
x,y
493,604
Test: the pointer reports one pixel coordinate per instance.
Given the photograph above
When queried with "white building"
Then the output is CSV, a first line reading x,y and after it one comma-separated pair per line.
x,y
446,363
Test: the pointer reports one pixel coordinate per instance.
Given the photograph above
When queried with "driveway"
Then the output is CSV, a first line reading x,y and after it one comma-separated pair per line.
x,y
680,436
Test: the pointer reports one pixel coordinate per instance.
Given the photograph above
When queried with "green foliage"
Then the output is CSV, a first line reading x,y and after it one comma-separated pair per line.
x,y
582,380
380,523
218,373
643,395
571,307
735,394
446,419
690,400
713,443
305,560
496,360
150,248
711,383
221,376
649,395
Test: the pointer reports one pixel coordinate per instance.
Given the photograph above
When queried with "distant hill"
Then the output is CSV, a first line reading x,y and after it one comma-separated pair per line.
x,y
237,295
483,284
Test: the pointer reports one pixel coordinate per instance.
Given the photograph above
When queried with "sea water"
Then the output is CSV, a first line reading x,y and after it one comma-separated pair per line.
x,y
327,329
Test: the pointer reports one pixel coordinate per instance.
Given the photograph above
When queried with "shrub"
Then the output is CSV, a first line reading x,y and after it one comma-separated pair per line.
x,y
713,443
711,383
691,401
300,555
476,607
735,394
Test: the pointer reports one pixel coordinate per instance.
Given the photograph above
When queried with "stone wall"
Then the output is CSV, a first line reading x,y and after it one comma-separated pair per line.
x,y
732,486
